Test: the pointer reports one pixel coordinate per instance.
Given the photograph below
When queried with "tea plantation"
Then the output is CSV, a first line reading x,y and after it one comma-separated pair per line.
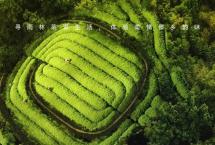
x,y
85,84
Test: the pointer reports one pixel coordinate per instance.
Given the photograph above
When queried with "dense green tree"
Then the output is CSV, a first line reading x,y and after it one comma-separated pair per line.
x,y
182,123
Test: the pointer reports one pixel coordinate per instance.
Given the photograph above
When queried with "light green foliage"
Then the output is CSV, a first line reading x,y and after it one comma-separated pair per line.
x,y
152,90
152,111
179,82
99,13
160,50
119,64
114,10
109,81
127,7
90,46
121,131
74,86
6,135
34,120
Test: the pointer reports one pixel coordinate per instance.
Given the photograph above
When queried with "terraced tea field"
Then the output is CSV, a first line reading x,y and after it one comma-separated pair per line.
x,y
90,87
83,80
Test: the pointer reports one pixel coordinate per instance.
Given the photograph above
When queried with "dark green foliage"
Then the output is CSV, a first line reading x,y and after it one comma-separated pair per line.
x,y
179,124
166,89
